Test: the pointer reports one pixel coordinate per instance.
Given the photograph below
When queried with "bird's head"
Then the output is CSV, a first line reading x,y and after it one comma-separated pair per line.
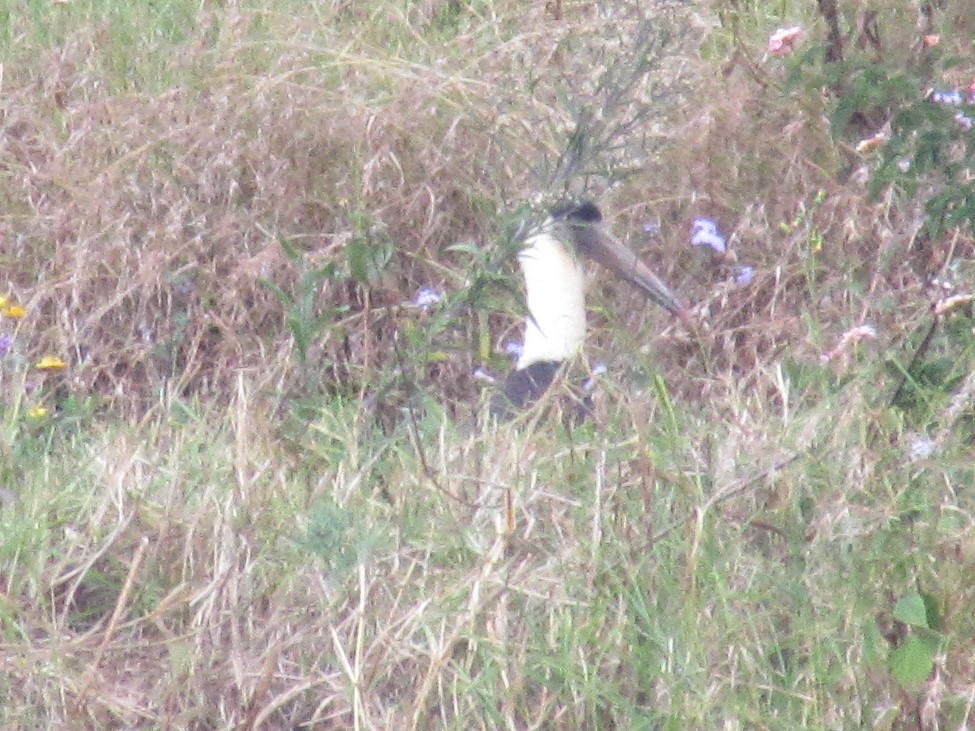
x,y
582,226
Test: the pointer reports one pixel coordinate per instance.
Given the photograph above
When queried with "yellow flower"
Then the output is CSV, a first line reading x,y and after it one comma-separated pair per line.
x,y
51,363
38,412
15,311
3,301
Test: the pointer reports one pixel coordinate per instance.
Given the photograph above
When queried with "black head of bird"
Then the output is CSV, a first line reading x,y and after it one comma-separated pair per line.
x,y
551,264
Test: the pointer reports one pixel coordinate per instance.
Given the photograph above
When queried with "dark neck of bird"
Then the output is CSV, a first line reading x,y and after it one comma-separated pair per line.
x,y
523,387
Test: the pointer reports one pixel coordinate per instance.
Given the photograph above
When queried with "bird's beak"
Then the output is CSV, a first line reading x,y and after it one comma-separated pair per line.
x,y
614,255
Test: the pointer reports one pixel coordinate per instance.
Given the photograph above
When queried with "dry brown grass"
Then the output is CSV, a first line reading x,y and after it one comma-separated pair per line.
x,y
150,216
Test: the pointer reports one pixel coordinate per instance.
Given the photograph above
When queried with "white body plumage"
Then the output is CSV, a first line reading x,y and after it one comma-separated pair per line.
x,y
555,284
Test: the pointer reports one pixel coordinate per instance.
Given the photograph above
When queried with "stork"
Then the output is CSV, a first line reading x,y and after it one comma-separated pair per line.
x,y
552,267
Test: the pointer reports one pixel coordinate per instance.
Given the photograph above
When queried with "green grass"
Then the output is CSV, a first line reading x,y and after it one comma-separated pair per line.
x,y
621,596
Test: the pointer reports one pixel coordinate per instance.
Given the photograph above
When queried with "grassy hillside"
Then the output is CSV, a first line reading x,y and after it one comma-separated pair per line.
x,y
244,482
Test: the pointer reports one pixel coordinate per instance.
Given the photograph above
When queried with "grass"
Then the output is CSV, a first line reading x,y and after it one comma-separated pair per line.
x,y
259,497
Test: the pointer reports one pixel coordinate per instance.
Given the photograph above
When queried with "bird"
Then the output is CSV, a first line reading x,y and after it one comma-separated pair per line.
x,y
551,262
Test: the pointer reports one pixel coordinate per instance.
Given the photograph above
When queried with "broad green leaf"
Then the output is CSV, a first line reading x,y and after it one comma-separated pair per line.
x,y
911,610
912,662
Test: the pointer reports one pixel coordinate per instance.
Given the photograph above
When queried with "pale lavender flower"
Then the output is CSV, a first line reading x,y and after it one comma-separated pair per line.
x,y
598,370
651,228
6,343
922,448
427,298
952,97
744,274
706,233
514,349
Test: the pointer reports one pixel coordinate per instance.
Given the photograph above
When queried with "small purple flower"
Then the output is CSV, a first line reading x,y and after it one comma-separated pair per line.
x,y
964,121
427,298
651,228
706,233
514,349
6,343
744,273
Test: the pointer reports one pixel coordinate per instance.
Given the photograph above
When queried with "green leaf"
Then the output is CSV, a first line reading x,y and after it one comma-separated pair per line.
x,y
912,662
932,610
874,644
283,297
368,257
465,247
911,610
290,251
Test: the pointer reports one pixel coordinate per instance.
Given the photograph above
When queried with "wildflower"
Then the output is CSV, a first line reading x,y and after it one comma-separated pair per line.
x,y
3,301
783,41
6,342
514,349
931,40
951,97
38,412
651,228
744,273
706,234
964,121
427,298
850,337
15,311
598,370
922,448
51,363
